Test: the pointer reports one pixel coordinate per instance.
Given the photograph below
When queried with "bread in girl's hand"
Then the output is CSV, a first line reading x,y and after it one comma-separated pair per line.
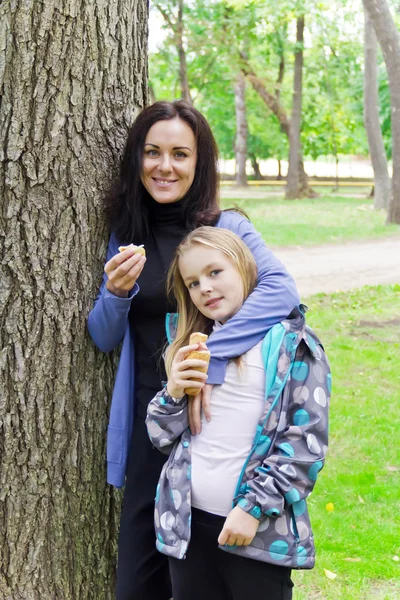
x,y
201,354
138,249
198,338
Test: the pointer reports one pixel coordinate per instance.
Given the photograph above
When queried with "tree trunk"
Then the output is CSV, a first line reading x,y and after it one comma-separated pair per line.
x,y
389,41
241,131
280,176
256,167
276,107
382,189
293,179
73,76
176,26
183,78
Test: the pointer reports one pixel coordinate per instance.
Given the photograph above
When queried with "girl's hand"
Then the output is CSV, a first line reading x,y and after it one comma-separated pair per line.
x,y
201,401
239,528
122,271
183,372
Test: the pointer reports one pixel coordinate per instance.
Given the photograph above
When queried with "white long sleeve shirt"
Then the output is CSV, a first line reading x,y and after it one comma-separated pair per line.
x,y
220,450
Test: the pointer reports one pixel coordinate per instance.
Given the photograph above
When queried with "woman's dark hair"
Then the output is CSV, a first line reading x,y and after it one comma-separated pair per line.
x,y
127,203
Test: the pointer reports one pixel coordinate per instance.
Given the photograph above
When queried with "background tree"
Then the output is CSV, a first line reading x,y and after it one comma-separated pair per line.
x,y
241,131
371,116
176,27
293,189
259,38
72,77
389,41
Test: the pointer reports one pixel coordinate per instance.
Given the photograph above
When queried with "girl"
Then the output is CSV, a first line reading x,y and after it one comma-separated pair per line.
x,y
240,485
167,186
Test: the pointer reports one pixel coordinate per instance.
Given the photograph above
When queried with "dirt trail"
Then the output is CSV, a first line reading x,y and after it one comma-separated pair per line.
x,y
330,268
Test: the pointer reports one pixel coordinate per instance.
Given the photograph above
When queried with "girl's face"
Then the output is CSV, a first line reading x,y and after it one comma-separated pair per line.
x,y
169,162
214,283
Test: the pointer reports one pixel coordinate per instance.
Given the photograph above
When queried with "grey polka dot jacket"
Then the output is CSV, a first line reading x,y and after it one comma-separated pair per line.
x,y
279,474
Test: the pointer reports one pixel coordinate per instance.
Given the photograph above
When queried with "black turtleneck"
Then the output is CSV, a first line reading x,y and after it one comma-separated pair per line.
x,y
149,306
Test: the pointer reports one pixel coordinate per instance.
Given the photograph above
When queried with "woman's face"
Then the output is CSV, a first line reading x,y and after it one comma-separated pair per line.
x,y
214,283
169,161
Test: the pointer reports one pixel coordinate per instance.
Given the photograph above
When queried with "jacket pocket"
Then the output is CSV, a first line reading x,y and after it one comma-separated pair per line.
x,y
114,445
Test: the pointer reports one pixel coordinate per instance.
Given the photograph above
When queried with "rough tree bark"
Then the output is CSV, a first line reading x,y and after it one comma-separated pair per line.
x,y
389,41
274,104
241,131
293,188
382,184
72,77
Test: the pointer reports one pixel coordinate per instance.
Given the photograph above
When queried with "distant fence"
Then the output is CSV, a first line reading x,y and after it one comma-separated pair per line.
x,y
312,182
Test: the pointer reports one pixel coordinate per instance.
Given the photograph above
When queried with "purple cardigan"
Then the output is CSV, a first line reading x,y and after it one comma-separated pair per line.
x,y
108,323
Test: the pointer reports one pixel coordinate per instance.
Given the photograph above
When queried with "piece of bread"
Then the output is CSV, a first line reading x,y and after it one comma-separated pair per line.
x,y
198,338
138,249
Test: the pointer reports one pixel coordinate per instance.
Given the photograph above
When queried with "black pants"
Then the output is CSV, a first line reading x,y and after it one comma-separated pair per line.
x,y
209,573
143,572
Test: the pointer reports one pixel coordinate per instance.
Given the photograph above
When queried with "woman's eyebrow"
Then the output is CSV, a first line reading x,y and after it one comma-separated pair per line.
x,y
174,148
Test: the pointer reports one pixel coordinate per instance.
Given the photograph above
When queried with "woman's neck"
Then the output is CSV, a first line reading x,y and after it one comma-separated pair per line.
x,y
165,214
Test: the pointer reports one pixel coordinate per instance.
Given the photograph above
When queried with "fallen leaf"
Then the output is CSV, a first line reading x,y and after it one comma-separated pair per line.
x,y
330,507
396,558
353,559
360,499
391,468
329,574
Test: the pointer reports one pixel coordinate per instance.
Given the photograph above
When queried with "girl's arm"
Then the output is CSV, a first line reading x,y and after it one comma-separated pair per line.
x,y
289,472
167,419
108,319
167,413
272,300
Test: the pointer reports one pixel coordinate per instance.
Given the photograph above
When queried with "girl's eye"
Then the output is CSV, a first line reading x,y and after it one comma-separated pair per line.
x,y
192,285
151,153
215,272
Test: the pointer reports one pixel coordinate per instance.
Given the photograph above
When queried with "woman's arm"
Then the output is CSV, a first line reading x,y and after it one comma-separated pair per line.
x,y
289,472
108,319
167,419
271,301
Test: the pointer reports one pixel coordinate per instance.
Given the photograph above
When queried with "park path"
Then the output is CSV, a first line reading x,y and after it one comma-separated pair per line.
x,y
331,268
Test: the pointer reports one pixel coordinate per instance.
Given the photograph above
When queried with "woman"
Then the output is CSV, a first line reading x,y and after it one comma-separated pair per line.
x,y
168,186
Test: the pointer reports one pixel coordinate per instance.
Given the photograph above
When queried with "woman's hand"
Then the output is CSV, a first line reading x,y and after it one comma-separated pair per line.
x,y
239,528
183,372
122,271
201,401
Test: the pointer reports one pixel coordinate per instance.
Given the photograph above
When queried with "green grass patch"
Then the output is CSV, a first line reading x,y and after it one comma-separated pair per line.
x,y
314,221
359,539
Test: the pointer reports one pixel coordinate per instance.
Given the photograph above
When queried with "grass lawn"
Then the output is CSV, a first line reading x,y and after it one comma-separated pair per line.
x,y
314,221
324,190
360,539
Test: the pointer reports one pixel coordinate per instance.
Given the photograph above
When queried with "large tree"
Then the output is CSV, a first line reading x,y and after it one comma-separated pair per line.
x,y
389,41
72,77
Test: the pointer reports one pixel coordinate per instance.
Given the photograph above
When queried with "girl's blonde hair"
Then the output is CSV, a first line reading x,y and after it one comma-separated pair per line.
x,y
190,318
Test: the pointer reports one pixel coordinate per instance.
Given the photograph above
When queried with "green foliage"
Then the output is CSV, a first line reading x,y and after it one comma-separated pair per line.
x,y
218,35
